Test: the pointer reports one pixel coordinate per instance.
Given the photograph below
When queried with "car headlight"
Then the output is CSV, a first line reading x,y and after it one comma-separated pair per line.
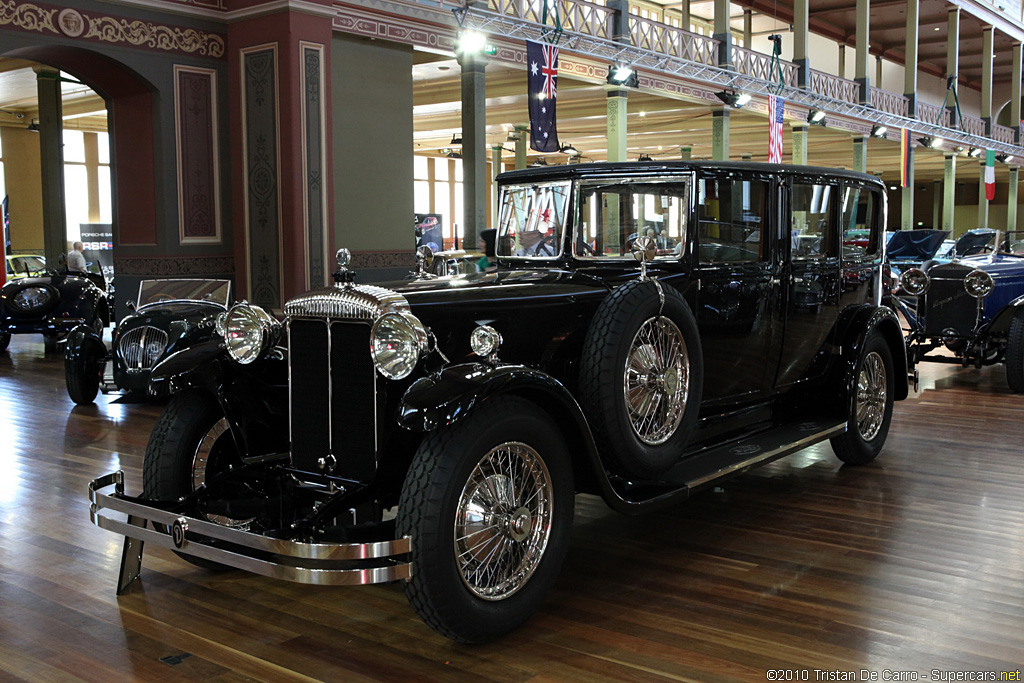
x,y
484,341
979,284
914,281
31,298
248,332
396,342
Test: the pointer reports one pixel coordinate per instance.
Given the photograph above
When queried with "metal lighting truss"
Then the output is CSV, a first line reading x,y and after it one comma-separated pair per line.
x,y
486,21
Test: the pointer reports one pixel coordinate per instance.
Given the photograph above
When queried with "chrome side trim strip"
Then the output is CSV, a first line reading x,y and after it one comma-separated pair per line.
x,y
774,454
292,558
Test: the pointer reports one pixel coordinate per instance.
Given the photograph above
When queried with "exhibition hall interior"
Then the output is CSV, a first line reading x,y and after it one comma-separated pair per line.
x,y
511,340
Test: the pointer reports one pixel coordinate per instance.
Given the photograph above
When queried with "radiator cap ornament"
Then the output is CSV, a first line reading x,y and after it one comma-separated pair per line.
x,y
343,276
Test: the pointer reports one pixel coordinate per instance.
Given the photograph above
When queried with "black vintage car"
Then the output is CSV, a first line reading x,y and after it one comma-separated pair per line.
x,y
168,316
435,430
52,303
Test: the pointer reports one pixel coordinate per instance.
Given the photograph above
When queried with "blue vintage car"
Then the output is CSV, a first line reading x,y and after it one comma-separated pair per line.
x,y
971,306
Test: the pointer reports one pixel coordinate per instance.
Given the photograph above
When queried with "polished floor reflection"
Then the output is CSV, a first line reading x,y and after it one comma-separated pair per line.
x,y
914,563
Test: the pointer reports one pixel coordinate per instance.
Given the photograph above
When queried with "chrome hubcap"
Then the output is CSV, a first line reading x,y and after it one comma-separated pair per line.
x,y
871,395
656,380
503,521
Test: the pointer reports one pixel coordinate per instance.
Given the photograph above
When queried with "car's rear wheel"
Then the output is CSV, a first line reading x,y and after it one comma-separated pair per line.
x,y
869,406
642,377
83,372
1015,353
488,503
190,444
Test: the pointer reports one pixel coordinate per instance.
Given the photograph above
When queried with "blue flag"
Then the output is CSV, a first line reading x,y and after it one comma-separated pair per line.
x,y
542,73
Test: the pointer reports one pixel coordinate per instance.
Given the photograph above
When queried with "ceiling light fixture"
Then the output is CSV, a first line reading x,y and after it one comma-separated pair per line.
x,y
34,126
930,142
624,75
879,131
974,152
569,149
644,157
816,116
733,99
456,139
1004,158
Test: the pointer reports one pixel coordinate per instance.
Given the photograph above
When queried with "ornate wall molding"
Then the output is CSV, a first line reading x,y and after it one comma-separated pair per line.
x,y
314,161
197,146
262,163
103,28
383,259
174,265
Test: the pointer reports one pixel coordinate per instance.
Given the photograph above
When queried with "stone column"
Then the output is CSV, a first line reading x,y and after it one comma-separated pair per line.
x,y
860,154
723,34
51,153
987,57
911,51
522,143
616,124
937,204
720,134
953,55
686,153
1011,202
863,49
801,24
1015,80
495,170
949,194
907,195
982,199
799,144
474,147
748,28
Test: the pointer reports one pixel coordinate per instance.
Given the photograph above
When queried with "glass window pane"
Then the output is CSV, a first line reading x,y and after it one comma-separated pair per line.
x,y
419,167
421,197
103,145
457,214
730,216
458,170
613,216
532,219
74,146
440,168
106,215
811,228
76,199
861,224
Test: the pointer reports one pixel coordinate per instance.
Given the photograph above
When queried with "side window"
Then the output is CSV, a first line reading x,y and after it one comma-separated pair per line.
x,y
613,215
862,223
813,220
732,216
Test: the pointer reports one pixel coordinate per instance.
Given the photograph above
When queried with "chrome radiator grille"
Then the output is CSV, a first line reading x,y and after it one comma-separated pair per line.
x,y
142,347
354,302
948,307
332,396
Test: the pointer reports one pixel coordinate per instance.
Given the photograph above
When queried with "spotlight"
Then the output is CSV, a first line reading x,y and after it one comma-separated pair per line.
x,y
34,126
569,149
452,154
456,139
644,157
1004,158
540,161
624,75
879,131
975,152
471,42
816,116
930,142
733,98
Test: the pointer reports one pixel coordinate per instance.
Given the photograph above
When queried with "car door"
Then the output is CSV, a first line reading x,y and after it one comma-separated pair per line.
x,y
812,277
737,282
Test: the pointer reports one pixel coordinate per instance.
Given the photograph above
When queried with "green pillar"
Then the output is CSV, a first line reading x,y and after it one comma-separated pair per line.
x,y
748,28
911,51
720,134
685,8
1011,202
949,194
860,155
987,55
800,144
495,170
953,52
863,49
686,153
1015,79
51,152
907,196
617,148
474,147
522,143
801,28
982,199
723,33
937,204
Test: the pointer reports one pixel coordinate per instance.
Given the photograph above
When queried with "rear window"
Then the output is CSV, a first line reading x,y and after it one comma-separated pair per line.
x,y
732,220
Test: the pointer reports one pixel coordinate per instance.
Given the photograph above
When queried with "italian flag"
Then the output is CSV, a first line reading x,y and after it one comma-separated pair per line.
x,y
990,175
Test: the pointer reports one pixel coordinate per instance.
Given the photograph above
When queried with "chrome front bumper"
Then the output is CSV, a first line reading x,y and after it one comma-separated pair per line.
x,y
313,563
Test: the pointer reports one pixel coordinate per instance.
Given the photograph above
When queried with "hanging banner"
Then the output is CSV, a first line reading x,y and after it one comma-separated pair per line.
x,y
542,75
990,175
904,157
776,109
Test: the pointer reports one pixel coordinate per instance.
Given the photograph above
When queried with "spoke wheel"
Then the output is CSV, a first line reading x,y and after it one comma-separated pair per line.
x,y
871,396
488,504
503,521
209,459
656,380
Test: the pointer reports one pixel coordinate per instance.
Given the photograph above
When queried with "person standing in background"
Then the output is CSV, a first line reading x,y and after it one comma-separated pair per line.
x,y
76,259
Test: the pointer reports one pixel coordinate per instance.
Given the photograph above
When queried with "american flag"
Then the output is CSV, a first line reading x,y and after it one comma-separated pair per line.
x,y
542,75
776,107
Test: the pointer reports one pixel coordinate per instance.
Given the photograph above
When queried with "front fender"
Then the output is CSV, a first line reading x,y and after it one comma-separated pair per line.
x,y
865,321
1001,322
83,340
199,367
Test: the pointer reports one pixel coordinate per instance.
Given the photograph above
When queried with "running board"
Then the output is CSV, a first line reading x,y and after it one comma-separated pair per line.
x,y
700,470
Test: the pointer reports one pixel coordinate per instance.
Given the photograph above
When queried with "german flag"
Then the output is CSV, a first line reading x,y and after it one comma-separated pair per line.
x,y
905,147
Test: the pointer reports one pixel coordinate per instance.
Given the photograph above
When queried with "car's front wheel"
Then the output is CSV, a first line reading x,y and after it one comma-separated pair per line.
x,y
83,371
190,444
1015,353
869,406
488,503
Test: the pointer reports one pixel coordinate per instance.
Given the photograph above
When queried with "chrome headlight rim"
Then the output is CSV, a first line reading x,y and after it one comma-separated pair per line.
x,y
979,284
397,342
914,281
32,298
248,332
485,341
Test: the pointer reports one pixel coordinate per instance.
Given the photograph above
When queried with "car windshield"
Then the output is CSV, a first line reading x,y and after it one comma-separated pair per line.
x,y
156,291
532,220
26,264
1013,242
614,213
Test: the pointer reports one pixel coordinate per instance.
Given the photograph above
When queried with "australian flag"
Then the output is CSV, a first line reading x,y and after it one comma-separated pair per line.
x,y
542,74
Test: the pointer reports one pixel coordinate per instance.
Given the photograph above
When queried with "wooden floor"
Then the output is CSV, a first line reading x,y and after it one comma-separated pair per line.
x,y
911,564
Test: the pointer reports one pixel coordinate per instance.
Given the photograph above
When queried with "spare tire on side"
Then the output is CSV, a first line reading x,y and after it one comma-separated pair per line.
x,y
642,378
